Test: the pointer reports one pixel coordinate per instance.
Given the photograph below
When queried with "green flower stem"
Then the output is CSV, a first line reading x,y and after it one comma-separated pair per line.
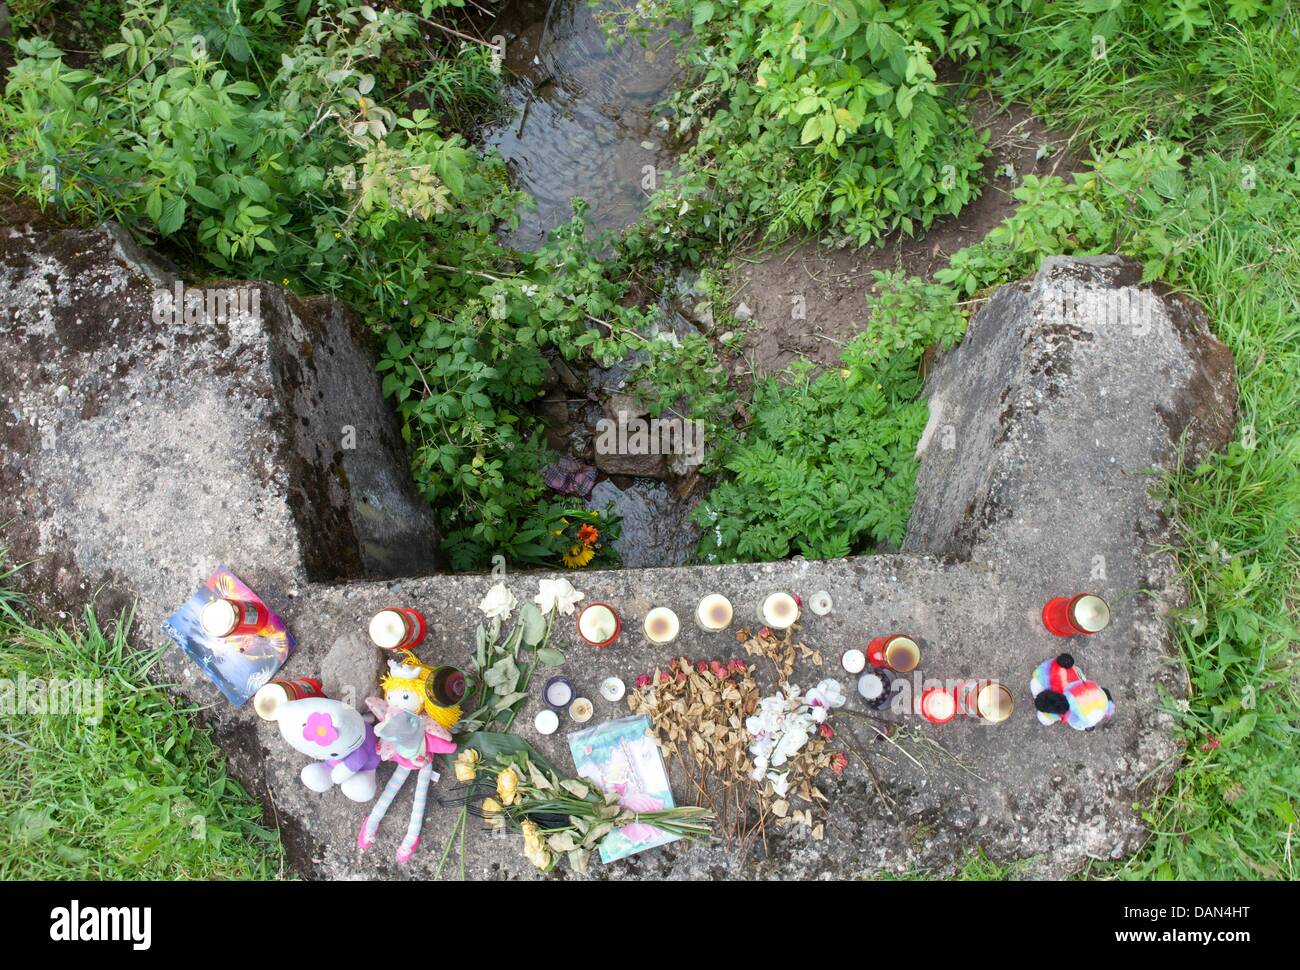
x,y
532,666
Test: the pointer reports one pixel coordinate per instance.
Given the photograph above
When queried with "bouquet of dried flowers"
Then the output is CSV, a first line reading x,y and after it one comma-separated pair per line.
x,y
559,816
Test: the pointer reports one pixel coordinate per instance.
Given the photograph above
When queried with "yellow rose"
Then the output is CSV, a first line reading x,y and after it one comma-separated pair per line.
x,y
540,856
508,787
492,813
465,765
532,835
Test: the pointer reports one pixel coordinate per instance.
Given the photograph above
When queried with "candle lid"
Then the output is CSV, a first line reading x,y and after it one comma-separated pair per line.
x,y
994,703
218,618
780,611
714,611
387,629
598,624
662,616
902,654
1090,612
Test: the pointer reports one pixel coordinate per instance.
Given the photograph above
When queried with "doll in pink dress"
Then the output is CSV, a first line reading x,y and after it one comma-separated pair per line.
x,y
411,729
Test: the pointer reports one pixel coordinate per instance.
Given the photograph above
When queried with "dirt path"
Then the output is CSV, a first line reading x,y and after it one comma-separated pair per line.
x,y
833,283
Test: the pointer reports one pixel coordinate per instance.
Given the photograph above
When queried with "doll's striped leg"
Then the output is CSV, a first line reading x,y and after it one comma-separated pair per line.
x,y
368,830
412,840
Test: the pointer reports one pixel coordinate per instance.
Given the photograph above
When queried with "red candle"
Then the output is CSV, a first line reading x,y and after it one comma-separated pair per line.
x,y
898,652
397,628
232,618
938,706
1083,613
599,624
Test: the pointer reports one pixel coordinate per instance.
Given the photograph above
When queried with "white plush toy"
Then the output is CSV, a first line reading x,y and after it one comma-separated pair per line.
x,y
338,737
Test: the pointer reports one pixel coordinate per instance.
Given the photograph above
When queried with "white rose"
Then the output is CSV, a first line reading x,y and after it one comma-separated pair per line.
x,y
499,602
556,594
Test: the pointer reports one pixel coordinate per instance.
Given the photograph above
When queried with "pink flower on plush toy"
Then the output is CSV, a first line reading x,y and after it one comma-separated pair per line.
x,y
320,729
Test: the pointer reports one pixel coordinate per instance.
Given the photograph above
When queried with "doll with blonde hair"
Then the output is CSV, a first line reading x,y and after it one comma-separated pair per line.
x,y
414,725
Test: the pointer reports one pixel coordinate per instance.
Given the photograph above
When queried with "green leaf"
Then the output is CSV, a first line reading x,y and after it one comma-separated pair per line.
x,y
550,657
532,623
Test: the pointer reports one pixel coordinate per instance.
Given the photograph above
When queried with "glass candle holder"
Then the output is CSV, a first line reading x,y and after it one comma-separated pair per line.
x,y
780,611
1080,615
558,693
599,624
662,625
896,651
714,613
397,628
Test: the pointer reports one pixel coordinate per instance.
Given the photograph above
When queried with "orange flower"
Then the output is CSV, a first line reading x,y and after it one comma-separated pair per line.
x,y
588,535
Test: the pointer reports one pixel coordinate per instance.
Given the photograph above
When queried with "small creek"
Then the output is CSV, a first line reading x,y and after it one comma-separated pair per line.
x,y
582,121
582,125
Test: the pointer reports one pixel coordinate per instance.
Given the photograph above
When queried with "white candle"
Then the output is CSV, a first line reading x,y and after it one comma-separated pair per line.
x,y
661,625
546,722
854,661
780,611
714,612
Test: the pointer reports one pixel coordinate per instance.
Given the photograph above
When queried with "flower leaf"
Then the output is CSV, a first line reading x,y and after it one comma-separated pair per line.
x,y
550,657
532,623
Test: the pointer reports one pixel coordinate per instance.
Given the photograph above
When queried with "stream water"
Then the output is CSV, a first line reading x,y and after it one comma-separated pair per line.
x,y
582,123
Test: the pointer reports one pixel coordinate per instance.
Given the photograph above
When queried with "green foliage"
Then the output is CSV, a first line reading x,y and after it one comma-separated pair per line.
x,y
1199,71
138,793
828,467
266,149
805,113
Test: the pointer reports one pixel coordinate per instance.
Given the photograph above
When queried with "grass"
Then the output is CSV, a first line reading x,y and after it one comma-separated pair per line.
x,y
1230,238
139,792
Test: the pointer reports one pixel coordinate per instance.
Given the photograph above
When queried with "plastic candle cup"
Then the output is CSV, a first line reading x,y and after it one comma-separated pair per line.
x,y
397,628
581,710
662,625
599,624
780,611
612,689
714,613
875,687
228,618
820,603
558,693
938,706
899,653
1083,614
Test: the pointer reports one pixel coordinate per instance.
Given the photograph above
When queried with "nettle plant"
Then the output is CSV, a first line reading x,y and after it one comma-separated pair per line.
x,y
828,466
805,114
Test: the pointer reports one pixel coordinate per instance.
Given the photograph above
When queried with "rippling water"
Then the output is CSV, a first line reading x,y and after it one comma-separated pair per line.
x,y
588,129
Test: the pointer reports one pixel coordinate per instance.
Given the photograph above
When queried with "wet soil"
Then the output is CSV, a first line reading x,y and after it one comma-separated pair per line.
x,y
834,283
